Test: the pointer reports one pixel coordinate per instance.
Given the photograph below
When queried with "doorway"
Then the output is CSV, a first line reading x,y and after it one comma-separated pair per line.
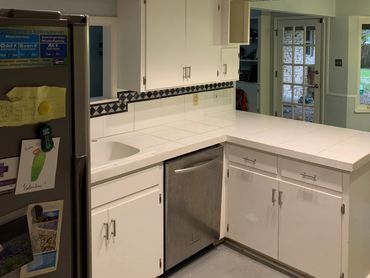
x,y
298,69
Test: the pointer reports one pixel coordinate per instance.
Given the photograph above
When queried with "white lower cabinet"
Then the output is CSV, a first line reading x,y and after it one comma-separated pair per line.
x,y
310,224
253,210
300,225
127,233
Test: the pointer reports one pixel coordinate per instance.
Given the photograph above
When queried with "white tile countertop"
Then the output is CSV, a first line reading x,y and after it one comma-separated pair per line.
x,y
339,148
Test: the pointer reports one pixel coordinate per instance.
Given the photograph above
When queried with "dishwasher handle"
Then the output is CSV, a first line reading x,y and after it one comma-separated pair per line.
x,y
196,166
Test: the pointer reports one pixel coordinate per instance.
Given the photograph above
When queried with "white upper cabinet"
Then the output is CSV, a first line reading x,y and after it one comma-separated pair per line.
x,y
165,43
203,40
235,21
170,43
230,64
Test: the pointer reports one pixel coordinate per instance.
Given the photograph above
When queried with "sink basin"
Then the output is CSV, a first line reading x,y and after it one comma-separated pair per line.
x,y
102,152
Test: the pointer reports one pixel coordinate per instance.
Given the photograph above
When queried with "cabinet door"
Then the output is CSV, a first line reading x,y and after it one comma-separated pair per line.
x,y
136,226
230,64
253,210
165,43
99,242
202,40
310,231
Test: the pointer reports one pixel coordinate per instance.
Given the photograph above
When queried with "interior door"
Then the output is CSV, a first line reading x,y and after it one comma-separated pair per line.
x,y
310,224
165,49
298,91
253,210
136,231
203,38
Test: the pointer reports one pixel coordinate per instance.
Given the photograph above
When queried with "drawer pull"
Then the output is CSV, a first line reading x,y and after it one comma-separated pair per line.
x,y
106,227
114,232
306,176
280,198
247,159
274,196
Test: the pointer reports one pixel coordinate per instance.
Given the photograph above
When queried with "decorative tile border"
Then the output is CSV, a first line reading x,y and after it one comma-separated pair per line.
x,y
126,97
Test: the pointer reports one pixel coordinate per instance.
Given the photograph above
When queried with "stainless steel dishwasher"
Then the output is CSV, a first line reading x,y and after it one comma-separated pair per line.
x,y
193,187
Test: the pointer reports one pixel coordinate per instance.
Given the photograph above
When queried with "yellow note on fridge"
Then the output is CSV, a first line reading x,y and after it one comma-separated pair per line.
x,y
30,105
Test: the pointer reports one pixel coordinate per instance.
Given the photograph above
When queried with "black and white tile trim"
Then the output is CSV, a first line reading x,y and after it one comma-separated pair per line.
x,y
126,97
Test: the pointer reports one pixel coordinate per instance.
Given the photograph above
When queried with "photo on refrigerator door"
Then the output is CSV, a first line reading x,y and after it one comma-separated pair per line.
x,y
37,169
15,245
45,225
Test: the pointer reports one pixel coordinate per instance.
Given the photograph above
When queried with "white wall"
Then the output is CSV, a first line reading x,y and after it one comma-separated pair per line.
x,y
90,7
309,7
344,44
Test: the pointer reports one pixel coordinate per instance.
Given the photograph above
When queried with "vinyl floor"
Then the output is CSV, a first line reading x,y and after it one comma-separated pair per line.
x,y
224,262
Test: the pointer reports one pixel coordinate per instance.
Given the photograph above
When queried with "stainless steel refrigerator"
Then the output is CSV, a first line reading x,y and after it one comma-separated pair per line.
x,y
65,67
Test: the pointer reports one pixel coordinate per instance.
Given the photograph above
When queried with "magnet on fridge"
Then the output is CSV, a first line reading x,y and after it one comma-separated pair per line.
x,y
47,143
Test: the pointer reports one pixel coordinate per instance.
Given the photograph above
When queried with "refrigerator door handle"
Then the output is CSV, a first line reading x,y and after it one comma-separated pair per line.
x,y
82,221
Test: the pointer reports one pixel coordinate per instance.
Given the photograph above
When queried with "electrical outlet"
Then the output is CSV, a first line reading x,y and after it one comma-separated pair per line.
x,y
195,99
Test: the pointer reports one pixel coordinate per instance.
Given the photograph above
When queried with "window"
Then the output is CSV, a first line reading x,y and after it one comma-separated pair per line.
x,y
103,58
364,97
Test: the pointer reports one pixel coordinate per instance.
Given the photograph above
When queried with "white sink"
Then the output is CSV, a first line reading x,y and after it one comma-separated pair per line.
x,y
103,152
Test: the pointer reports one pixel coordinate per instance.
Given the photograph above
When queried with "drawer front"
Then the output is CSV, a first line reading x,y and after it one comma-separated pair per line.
x,y
253,158
107,192
311,174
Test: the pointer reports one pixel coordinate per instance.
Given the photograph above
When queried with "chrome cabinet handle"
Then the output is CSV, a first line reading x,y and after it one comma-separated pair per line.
x,y
183,73
280,198
114,232
306,176
106,227
189,76
273,196
225,69
247,159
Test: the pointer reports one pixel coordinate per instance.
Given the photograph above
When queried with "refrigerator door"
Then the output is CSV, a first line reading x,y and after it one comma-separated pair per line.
x,y
72,175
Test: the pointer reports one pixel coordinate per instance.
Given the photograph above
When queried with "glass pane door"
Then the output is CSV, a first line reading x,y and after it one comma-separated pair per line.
x,y
298,71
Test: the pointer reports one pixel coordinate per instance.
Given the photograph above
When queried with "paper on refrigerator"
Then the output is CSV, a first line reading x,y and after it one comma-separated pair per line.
x,y
37,169
8,174
30,105
45,223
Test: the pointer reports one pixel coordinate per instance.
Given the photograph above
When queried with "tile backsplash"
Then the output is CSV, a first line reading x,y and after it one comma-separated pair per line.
x,y
152,113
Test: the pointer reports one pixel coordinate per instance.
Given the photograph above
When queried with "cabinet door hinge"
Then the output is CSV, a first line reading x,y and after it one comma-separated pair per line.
x,y
276,73
342,275
160,263
219,7
228,173
343,209
144,2
276,32
144,80
160,198
227,228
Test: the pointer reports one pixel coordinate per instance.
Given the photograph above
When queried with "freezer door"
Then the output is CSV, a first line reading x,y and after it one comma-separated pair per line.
x,y
193,187
72,176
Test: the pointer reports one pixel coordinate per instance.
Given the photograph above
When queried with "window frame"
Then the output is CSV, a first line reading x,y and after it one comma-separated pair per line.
x,y
110,65
360,108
